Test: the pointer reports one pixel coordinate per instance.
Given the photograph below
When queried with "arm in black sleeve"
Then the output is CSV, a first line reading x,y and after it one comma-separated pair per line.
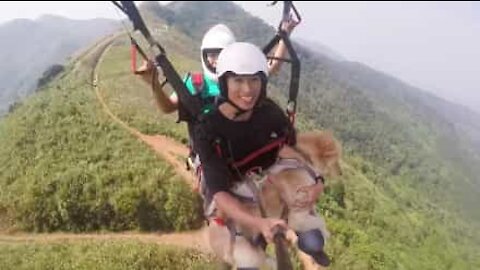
x,y
216,173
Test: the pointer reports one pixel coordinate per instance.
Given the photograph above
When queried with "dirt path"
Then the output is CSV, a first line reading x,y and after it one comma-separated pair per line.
x,y
170,150
192,239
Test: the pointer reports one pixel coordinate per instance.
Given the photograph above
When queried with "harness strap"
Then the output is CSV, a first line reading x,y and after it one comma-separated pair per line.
x,y
218,148
197,81
219,221
277,143
291,163
134,49
133,57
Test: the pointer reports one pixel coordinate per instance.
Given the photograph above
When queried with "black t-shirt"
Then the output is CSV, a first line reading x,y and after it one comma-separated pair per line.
x,y
236,140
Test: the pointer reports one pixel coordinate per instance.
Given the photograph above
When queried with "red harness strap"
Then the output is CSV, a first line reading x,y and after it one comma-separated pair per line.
x,y
277,143
134,48
291,117
219,221
218,150
133,58
197,81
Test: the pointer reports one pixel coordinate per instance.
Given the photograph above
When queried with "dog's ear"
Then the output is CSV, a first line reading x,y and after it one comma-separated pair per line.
x,y
330,152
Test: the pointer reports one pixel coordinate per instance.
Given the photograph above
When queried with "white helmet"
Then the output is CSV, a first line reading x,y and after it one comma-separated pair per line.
x,y
241,58
216,39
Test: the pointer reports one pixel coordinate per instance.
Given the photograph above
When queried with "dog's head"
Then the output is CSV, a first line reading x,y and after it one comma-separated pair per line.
x,y
323,150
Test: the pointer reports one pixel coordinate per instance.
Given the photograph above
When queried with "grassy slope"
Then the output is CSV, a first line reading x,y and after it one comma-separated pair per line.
x,y
100,254
67,166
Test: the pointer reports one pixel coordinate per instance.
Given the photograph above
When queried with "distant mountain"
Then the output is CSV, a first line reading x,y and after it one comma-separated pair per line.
x,y
317,47
29,47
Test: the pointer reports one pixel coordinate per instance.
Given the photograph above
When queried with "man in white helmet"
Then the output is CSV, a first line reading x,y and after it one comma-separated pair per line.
x,y
228,143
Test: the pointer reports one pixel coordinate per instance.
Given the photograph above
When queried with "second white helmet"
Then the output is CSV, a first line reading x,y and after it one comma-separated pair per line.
x,y
216,39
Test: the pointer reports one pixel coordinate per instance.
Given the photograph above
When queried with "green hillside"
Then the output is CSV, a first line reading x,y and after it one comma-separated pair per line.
x,y
65,165
100,254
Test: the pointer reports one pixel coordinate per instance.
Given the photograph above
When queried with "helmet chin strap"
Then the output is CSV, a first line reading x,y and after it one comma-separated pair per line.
x,y
240,111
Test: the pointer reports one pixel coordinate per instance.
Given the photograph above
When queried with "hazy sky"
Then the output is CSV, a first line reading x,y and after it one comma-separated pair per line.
x,y
432,45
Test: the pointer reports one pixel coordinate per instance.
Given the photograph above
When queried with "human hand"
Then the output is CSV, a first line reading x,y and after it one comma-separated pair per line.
x,y
147,70
270,226
289,25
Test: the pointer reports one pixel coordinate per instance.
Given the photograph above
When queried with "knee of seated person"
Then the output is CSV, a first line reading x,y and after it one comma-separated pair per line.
x,y
310,242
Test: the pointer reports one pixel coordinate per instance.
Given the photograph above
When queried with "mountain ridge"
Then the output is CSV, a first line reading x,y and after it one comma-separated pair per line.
x,y
29,47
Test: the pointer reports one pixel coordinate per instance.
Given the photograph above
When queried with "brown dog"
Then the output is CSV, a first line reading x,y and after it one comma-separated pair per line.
x,y
322,152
